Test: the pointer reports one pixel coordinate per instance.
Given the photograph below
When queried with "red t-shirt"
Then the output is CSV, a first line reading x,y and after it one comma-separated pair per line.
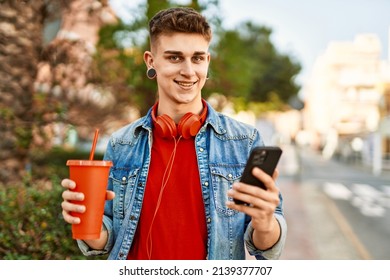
x,y
179,227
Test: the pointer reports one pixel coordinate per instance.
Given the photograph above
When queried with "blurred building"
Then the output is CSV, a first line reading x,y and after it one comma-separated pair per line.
x,y
347,101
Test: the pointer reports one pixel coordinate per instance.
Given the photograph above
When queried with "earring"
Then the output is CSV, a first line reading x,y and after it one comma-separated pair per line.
x,y
151,73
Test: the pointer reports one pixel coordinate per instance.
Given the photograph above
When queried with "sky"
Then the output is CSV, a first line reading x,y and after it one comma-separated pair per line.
x,y
303,28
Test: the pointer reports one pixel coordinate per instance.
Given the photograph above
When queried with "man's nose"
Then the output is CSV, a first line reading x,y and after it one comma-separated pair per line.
x,y
187,69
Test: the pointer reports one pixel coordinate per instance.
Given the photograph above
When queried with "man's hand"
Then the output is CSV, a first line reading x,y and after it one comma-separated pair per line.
x,y
69,195
261,207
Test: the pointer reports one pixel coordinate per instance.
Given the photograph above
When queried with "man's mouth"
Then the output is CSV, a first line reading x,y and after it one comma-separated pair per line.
x,y
185,84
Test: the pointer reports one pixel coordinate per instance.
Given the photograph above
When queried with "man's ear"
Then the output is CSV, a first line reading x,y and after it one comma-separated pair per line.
x,y
148,58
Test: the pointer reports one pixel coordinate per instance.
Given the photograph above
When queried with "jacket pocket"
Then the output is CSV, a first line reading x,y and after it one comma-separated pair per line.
x,y
123,181
223,176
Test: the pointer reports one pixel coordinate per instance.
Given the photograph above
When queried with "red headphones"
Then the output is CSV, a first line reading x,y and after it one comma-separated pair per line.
x,y
188,126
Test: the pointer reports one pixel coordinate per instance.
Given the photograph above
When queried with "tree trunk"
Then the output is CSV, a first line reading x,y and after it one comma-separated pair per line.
x,y
20,48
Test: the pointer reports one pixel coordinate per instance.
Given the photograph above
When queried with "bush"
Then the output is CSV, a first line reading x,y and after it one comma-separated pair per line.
x,y
45,165
31,224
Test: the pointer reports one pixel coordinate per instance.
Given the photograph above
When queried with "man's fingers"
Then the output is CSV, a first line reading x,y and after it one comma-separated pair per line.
x,y
275,175
67,183
110,195
71,207
70,195
70,219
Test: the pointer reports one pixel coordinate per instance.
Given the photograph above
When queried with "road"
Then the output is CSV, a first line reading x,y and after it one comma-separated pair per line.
x,y
334,210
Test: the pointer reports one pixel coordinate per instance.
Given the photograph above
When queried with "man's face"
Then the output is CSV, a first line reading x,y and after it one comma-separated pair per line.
x,y
181,61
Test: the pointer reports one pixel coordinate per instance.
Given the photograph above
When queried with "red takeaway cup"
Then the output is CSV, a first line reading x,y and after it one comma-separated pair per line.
x,y
91,177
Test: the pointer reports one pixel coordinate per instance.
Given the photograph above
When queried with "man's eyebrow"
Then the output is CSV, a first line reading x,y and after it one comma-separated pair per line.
x,y
199,53
181,53
173,52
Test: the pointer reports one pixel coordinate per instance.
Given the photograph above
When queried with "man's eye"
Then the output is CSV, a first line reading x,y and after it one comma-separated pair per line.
x,y
174,58
198,58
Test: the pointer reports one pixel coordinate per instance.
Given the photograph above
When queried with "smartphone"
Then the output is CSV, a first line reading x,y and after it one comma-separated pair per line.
x,y
266,158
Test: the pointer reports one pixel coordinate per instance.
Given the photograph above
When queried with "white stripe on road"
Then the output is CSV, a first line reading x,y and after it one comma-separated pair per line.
x,y
385,200
337,191
386,190
366,191
370,201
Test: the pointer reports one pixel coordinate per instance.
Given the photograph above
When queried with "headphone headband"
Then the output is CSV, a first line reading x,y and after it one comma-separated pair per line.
x,y
187,127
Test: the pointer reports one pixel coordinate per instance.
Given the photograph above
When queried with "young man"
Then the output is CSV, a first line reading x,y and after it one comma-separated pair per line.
x,y
176,170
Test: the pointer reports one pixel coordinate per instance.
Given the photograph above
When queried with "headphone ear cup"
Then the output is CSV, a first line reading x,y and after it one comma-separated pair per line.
x,y
165,127
189,125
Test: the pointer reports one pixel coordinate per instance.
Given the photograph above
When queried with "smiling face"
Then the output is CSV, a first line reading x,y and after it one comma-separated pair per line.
x,y
181,61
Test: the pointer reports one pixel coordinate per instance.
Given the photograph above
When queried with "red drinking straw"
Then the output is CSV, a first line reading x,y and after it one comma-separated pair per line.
x,y
94,144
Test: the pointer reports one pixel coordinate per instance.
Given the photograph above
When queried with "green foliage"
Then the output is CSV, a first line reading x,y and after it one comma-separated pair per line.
x,y
106,38
24,136
231,67
246,65
119,66
274,104
52,164
153,6
31,224
6,114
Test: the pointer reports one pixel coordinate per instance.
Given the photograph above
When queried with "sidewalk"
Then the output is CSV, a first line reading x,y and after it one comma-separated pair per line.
x,y
316,231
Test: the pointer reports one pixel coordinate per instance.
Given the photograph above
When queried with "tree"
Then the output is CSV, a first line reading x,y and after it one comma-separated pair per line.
x,y
21,24
247,65
31,100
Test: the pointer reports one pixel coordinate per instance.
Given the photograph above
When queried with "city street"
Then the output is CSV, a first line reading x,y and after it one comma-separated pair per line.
x,y
334,210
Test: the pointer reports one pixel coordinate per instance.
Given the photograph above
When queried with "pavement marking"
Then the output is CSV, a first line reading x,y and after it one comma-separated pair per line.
x,y
337,191
385,200
370,201
386,190
366,191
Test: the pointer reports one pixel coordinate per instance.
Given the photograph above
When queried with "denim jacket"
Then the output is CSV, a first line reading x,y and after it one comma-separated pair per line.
x,y
222,148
